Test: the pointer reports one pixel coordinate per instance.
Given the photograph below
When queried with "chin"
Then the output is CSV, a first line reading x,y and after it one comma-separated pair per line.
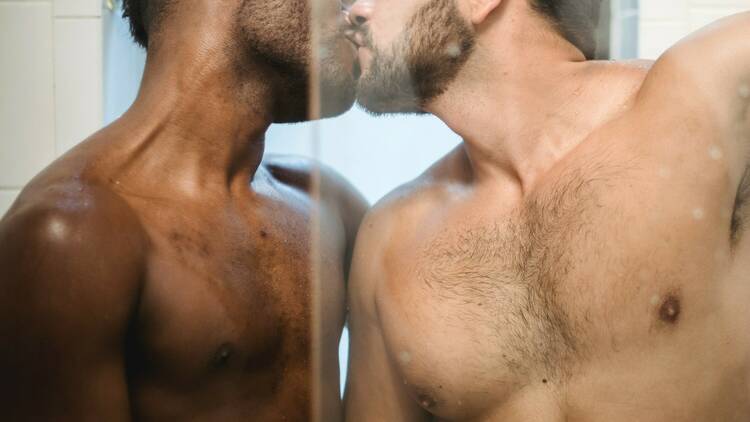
x,y
337,93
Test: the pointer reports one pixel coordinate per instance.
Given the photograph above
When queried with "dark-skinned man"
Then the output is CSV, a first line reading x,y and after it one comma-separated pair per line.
x,y
163,270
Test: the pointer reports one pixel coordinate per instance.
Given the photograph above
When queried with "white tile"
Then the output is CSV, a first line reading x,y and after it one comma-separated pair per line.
x,y
675,10
27,131
78,80
720,3
79,8
655,38
6,200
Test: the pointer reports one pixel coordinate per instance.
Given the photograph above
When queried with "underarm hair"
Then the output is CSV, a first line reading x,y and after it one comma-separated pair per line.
x,y
739,214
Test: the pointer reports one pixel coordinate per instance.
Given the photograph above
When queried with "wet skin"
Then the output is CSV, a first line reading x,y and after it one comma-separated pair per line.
x,y
612,288
164,270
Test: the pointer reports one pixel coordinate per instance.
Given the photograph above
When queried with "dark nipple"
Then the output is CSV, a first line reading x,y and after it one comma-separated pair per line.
x,y
222,356
426,401
669,311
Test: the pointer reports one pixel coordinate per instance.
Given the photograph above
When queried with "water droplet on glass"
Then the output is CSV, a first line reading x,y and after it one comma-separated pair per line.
x,y
453,50
715,153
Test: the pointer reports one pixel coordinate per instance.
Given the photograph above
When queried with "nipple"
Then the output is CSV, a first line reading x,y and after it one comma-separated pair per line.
x,y
222,355
669,311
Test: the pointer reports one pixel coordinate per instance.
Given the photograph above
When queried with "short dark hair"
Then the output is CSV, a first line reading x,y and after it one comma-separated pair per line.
x,y
576,20
143,15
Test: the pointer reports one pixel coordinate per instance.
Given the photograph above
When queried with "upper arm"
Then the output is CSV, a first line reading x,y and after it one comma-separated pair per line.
x,y
70,279
708,73
375,391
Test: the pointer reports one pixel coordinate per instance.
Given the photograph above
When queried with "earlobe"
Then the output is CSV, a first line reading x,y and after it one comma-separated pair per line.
x,y
480,9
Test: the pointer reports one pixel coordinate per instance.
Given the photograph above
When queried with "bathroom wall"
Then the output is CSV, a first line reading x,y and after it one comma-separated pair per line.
x,y
69,67
50,84
664,22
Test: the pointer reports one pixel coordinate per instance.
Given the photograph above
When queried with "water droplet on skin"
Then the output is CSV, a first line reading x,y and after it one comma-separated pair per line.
x,y
404,357
57,229
699,214
453,50
715,153
654,300
744,91
665,173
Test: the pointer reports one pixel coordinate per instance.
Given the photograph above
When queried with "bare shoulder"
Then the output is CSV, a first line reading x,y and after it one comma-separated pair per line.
x,y
300,171
336,191
707,73
406,206
70,231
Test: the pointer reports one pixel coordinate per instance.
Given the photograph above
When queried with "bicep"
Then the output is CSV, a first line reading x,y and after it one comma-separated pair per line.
x,y
65,302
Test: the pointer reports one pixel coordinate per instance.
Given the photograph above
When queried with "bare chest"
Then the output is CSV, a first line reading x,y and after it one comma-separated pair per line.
x,y
509,297
228,305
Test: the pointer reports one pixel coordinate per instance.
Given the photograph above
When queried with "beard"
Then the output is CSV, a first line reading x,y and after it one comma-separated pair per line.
x,y
336,81
421,63
277,33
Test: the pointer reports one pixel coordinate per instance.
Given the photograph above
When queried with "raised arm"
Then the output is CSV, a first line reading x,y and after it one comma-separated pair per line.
x,y
71,268
706,76
374,390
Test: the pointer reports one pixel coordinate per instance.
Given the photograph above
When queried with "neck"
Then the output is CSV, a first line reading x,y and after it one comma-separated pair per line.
x,y
521,111
199,119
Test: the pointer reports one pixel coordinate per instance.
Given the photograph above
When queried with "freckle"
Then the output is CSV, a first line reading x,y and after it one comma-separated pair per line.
x,y
263,234
670,310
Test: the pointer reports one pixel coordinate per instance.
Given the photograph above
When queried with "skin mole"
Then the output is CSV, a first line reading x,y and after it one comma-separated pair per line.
x,y
669,311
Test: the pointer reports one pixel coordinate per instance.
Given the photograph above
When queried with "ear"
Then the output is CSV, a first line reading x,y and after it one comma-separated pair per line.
x,y
480,9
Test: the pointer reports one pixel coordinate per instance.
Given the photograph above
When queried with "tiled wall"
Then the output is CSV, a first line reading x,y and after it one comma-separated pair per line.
x,y
50,84
664,22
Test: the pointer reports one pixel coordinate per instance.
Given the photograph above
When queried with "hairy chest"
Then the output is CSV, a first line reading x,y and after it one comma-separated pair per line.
x,y
601,261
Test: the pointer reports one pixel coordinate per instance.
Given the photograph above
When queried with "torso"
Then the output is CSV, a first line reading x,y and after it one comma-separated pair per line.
x,y
223,328
611,292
